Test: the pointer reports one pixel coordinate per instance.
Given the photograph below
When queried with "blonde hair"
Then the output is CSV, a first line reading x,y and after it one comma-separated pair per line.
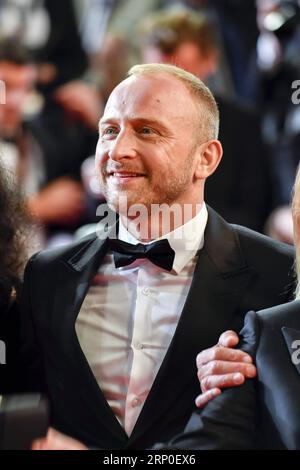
x,y
208,114
296,220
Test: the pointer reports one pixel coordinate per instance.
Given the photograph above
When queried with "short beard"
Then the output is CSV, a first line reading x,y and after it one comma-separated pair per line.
x,y
164,192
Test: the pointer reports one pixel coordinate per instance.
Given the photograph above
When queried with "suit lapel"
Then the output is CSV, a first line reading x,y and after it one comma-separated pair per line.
x,y
292,339
220,279
76,274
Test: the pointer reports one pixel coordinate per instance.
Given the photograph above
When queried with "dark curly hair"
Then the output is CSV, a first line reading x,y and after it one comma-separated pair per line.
x,y
13,229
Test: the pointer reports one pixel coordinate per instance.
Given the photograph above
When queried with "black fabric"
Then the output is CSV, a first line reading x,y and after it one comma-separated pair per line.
x,y
11,380
263,413
159,253
63,48
237,269
241,188
65,143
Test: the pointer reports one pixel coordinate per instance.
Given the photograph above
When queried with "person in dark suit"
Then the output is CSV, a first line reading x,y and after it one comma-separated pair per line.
x,y
262,413
49,30
43,151
117,318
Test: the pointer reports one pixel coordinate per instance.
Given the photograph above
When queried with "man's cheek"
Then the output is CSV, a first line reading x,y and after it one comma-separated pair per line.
x,y
100,159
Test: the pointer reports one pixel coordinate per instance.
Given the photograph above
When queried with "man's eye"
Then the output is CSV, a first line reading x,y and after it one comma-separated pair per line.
x,y
110,131
146,130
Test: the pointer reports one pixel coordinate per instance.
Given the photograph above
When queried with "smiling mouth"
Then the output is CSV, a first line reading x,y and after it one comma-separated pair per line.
x,y
125,174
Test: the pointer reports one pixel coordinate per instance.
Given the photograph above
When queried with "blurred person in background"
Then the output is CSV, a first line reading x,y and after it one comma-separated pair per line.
x,y
237,32
109,38
44,158
276,70
48,30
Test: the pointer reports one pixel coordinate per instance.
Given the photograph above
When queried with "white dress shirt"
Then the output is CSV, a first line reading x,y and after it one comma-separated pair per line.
x,y
129,316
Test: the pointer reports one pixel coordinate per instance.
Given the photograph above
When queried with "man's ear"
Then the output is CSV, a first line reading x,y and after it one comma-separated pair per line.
x,y
208,159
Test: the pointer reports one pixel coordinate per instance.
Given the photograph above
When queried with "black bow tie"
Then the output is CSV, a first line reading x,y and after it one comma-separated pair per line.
x,y
159,253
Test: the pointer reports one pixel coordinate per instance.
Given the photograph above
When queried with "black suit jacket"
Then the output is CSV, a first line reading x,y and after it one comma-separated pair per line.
x,y
236,269
265,412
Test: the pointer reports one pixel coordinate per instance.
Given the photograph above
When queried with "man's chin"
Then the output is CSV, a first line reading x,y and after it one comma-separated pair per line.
x,y
127,206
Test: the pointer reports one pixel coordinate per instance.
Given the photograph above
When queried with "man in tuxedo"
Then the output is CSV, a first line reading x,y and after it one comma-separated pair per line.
x,y
117,318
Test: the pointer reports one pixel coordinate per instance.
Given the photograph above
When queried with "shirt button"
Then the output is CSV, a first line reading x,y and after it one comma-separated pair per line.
x,y
136,402
146,291
139,346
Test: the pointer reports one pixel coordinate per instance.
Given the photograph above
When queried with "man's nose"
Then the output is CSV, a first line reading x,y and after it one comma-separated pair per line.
x,y
124,146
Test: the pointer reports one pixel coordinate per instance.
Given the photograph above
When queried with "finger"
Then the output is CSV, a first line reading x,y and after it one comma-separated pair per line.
x,y
228,339
222,381
223,367
204,398
52,433
37,444
222,354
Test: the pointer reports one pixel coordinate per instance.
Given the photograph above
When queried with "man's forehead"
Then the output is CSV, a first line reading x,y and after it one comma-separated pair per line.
x,y
160,92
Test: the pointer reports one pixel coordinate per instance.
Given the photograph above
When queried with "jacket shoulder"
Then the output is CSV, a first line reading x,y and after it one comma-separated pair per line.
x,y
255,240
47,257
273,265
264,328
287,314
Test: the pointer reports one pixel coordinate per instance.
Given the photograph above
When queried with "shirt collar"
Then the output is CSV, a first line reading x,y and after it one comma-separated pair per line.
x,y
185,240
